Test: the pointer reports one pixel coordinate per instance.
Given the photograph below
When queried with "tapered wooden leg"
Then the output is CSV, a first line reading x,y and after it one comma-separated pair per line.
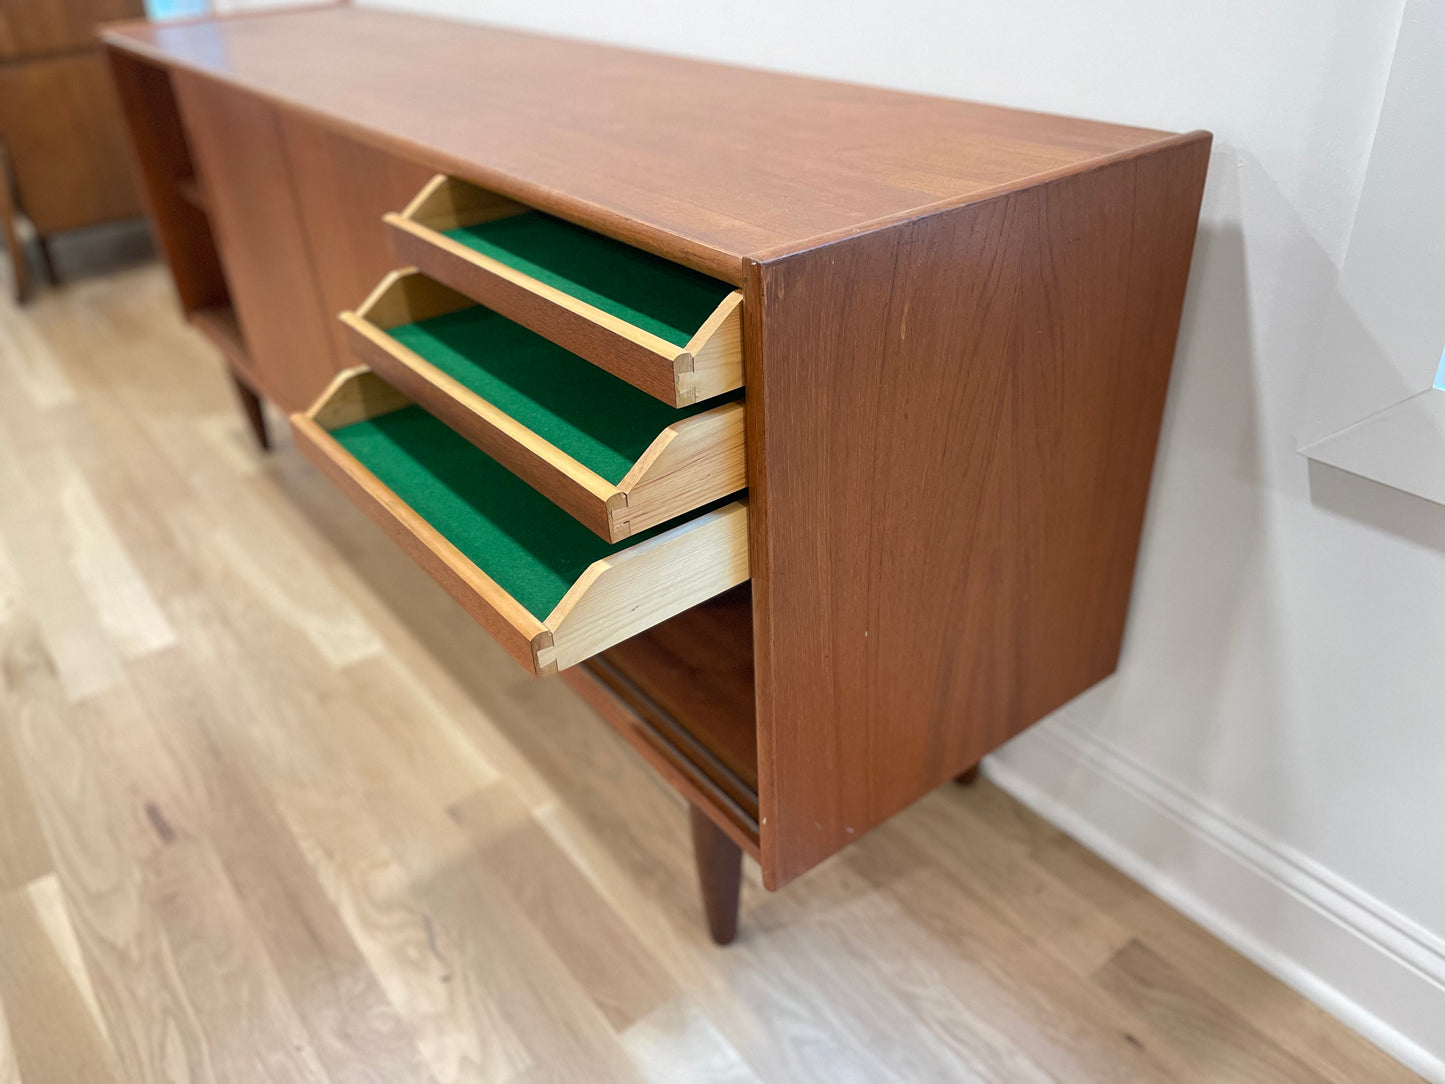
x,y
255,414
8,231
47,262
963,779
719,872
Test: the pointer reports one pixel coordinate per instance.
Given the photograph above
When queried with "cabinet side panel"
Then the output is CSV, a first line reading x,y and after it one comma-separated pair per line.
x,y
949,470
240,158
161,157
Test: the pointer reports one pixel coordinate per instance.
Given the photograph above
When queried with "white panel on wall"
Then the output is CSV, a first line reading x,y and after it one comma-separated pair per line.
x,y
1373,407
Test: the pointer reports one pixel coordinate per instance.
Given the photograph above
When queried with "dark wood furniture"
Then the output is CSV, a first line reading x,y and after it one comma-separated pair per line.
x,y
954,324
63,160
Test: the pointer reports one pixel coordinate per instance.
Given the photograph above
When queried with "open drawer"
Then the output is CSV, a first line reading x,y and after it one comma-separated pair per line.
x,y
614,457
671,331
548,589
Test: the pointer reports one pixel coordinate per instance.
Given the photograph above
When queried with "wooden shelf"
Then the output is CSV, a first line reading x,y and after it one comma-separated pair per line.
x,y
614,457
671,331
550,591
692,677
682,694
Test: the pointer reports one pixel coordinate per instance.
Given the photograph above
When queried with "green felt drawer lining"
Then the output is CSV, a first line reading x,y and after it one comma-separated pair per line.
x,y
532,549
601,421
664,298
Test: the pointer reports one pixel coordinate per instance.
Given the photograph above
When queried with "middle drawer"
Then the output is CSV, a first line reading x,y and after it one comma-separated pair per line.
x,y
617,459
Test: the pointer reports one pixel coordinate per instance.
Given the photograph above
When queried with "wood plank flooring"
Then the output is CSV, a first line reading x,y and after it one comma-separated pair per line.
x,y
273,809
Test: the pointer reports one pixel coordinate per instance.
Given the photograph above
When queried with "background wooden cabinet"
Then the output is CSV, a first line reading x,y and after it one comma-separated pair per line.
x,y
64,163
31,28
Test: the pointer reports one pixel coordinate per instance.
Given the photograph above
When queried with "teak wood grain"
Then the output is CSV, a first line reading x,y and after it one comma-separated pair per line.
x,y
241,161
626,142
344,187
30,28
59,121
941,560
693,675
594,682
163,164
958,323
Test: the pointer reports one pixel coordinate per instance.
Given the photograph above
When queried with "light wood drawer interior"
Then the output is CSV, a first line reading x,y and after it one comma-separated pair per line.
x,y
547,588
673,332
614,457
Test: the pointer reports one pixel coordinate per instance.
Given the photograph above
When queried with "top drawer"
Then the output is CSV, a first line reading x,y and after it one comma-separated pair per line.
x,y
667,329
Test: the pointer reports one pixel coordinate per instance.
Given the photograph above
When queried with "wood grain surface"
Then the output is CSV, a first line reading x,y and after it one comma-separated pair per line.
x,y
30,28
949,474
628,142
60,123
297,774
682,694
244,171
344,187
698,667
162,161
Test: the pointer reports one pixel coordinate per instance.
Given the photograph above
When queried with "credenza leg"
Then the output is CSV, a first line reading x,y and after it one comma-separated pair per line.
x,y
963,779
47,261
19,275
255,414
719,872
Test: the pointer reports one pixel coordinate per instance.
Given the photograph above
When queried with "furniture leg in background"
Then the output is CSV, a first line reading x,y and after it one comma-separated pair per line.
x,y
11,235
47,261
255,410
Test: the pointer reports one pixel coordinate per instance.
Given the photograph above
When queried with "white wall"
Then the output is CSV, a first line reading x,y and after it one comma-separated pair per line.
x,y
1271,755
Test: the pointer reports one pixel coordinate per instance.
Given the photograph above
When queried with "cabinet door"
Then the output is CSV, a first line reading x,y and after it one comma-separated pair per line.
x,y
244,172
344,187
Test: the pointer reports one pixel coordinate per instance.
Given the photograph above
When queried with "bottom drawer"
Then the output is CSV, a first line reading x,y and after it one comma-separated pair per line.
x,y
551,591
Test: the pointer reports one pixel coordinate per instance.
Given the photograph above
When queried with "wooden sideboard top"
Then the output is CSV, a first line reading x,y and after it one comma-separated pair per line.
x,y
703,163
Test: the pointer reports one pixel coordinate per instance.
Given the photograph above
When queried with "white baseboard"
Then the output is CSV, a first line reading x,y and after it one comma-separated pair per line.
x,y
1374,969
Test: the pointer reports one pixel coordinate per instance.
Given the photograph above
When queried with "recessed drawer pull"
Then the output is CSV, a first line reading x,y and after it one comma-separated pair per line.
x,y
671,331
549,590
614,457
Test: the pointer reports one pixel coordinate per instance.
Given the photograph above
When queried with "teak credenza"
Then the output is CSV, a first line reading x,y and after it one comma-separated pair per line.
x,y
815,422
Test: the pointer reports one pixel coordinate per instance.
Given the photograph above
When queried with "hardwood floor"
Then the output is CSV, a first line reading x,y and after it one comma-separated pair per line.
x,y
273,809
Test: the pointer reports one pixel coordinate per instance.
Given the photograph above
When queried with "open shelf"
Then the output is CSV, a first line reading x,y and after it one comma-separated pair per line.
x,y
691,678
682,694
617,459
669,330
548,589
